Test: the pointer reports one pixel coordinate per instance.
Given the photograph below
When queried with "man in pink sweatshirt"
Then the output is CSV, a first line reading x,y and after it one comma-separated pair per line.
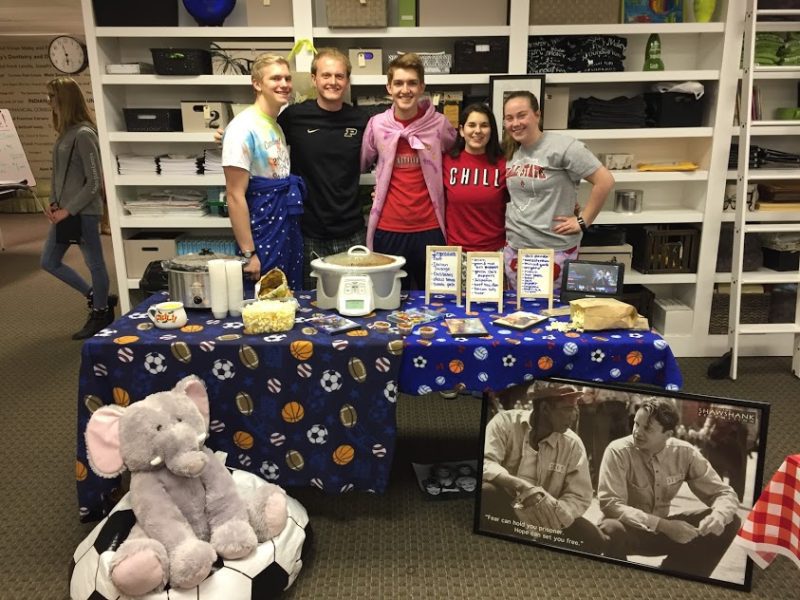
x,y
408,141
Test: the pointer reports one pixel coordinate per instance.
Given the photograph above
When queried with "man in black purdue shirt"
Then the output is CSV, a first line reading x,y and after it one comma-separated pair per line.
x,y
324,137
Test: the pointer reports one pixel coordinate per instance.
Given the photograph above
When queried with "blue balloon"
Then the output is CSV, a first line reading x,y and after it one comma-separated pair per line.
x,y
209,12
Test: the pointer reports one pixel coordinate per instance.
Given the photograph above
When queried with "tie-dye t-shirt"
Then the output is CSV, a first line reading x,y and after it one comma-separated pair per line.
x,y
254,141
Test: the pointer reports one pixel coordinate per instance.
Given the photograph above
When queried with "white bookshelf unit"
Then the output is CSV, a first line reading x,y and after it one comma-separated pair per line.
x,y
705,52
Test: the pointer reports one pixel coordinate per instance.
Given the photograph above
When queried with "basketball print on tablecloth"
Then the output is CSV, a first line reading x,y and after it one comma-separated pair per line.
x,y
295,460
301,349
331,380
343,454
243,440
181,351
292,412
126,339
193,328
357,333
357,370
456,366
81,471
545,363
634,358
244,402
249,357
121,396
348,415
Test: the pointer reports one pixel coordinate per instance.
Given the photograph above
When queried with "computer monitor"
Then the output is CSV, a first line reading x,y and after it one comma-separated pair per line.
x,y
591,279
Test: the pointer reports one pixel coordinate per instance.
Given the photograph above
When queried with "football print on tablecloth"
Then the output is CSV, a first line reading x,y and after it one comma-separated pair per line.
x,y
272,568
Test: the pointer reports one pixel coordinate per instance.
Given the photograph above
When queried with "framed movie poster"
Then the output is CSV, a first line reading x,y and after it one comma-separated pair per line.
x,y
653,479
503,85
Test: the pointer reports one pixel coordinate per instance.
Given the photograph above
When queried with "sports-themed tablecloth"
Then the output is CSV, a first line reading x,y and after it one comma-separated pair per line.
x,y
773,526
507,356
298,408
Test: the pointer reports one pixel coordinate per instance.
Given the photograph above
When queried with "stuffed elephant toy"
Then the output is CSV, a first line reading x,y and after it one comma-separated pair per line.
x,y
187,506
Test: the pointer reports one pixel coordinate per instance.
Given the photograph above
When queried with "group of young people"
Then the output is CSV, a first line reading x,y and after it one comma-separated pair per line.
x,y
292,175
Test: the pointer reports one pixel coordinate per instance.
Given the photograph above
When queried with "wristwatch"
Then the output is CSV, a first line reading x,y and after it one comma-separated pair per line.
x,y
582,224
249,254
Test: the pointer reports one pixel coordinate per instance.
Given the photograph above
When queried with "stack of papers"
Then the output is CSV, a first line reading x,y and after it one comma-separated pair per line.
x,y
213,160
189,202
134,164
180,164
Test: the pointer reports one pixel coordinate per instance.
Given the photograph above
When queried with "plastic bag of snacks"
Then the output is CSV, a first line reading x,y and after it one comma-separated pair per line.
x,y
268,316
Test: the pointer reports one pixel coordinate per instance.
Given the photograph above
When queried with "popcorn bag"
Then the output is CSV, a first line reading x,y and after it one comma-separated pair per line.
x,y
596,314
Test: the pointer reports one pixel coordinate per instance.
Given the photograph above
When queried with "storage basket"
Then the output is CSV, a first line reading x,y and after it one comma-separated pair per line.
x,y
135,13
754,310
569,12
181,61
674,109
663,250
481,56
640,297
357,13
153,119
432,62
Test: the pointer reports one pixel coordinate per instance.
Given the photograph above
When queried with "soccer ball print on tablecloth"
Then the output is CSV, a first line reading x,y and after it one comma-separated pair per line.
x,y
331,380
273,567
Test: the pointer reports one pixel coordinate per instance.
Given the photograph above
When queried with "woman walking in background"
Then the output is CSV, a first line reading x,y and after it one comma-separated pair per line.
x,y
77,189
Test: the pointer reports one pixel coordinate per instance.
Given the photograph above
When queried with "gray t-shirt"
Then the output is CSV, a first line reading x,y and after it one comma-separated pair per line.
x,y
542,182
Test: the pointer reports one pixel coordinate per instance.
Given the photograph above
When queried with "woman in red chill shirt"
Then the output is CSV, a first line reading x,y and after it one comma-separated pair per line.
x,y
475,184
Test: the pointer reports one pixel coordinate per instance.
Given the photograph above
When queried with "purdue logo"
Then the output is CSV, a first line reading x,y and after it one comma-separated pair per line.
x,y
350,132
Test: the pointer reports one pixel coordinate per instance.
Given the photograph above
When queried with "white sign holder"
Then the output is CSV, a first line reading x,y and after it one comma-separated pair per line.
x,y
485,278
535,274
443,271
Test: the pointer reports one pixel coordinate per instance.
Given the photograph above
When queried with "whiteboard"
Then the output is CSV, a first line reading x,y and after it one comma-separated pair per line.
x,y
14,166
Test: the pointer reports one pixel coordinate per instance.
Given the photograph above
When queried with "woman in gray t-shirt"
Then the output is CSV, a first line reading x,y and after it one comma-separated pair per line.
x,y
542,175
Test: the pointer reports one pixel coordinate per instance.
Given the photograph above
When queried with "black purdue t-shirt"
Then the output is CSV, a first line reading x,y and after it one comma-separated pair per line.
x,y
325,149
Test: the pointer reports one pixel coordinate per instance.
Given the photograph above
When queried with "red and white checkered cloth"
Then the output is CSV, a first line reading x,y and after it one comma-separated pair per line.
x,y
773,526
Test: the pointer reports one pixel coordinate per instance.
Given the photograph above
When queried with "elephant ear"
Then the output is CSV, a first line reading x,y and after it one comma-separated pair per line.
x,y
195,390
102,441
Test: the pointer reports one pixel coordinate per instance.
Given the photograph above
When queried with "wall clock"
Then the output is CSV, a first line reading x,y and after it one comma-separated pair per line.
x,y
68,55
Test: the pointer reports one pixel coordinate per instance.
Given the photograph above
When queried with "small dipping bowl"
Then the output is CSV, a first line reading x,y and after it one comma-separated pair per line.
x,y
381,326
427,332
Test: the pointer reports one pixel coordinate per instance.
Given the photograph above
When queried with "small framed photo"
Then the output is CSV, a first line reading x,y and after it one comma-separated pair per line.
x,y
648,478
334,324
465,327
502,85
520,320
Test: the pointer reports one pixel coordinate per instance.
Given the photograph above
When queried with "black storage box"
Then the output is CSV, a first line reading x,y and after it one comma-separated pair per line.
x,y
481,56
181,61
640,297
658,249
781,260
674,109
153,119
604,235
135,13
753,258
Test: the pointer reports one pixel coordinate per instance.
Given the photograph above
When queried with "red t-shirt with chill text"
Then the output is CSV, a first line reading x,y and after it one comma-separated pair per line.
x,y
475,202
408,207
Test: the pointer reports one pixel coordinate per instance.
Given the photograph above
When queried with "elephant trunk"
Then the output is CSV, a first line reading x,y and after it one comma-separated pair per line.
x,y
183,455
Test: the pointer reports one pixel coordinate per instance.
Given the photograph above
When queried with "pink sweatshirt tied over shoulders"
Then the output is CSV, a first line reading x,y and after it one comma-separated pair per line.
x,y
430,136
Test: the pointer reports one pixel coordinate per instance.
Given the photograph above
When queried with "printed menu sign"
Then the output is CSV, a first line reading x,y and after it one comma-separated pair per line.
x,y
443,271
485,278
535,274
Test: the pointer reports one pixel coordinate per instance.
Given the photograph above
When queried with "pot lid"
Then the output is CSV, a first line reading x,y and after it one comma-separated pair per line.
x,y
196,262
360,256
